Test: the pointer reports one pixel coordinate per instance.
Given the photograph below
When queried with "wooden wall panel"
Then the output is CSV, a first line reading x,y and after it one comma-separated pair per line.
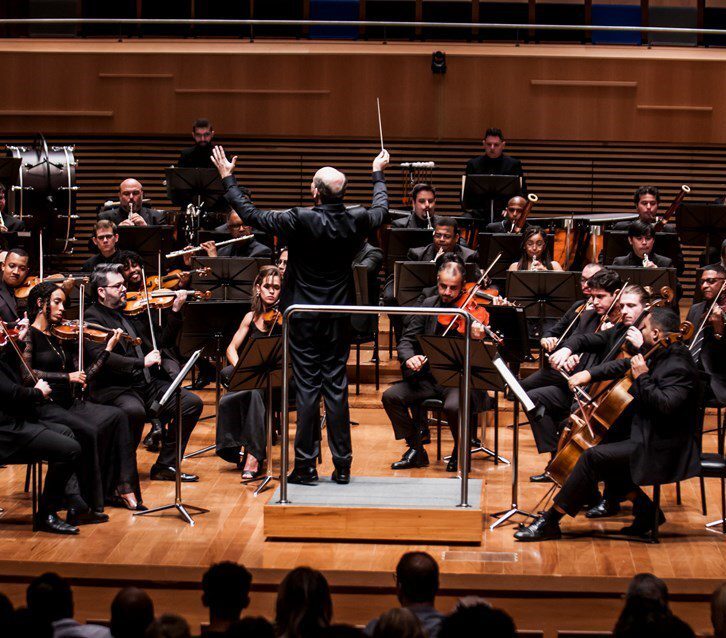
x,y
320,89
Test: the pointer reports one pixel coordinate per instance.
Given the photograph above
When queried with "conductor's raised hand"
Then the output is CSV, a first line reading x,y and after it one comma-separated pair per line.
x,y
381,161
224,166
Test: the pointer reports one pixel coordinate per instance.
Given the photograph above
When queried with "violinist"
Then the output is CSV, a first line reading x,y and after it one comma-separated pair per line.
x,y
547,387
708,347
105,239
14,273
423,200
25,438
641,237
512,212
241,416
535,254
131,210
134,377
108,472
659,445
418,383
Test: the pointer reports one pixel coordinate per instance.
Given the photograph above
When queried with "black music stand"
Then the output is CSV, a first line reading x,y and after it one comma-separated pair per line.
x,y
615,244
208,326
400,240
544,294
230,278
702,225
479,192
654,278
200,187
174,390
150,242
260,366
411,277
510,323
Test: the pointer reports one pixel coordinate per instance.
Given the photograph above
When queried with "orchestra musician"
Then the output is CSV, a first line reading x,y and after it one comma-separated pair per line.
x,y
15,271
108,472
105,239
9,223
322,242
418,383
423,201
547,387
281,262
235,227
134,377
511,213
641,237
199,155
495,161
24,438
131,210
371,258
535,253
647,201
659,439
708,348
241,415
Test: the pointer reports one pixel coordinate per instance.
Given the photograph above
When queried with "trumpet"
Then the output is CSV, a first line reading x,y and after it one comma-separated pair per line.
x,y
196,249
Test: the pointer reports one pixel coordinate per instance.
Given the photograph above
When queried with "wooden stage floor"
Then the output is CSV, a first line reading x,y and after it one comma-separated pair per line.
x,y
164,547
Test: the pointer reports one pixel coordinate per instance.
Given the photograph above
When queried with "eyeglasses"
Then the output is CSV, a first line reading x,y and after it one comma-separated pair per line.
x,y
442,236
116,286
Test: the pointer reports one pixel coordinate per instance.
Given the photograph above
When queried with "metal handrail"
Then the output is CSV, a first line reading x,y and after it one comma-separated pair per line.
x,y
359,23
463,448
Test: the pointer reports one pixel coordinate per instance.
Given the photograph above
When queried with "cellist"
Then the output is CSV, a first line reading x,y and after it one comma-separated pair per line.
x,y
661,444
418,383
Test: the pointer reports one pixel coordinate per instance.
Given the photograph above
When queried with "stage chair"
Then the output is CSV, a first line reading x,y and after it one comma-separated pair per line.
x,y
360,338
34,485
714,466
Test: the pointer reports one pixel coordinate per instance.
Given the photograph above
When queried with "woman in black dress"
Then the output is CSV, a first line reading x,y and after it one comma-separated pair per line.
x,y
109,473
535,254
241,415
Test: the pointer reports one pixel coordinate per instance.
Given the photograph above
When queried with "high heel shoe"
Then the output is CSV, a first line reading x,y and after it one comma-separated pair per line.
x,y
249,473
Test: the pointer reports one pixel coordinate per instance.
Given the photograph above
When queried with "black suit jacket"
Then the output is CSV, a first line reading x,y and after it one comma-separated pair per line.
x,y
625,225
415,325
322,242
8,303
410,222
251,248
13,224
427,253
503,226
713,352
631,260
99,259
117,215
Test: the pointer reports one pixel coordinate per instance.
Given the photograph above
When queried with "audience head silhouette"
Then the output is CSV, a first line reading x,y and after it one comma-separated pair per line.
x,y
398,623
49,598
169,626
132,611
477,620
226,591
304,607
417,579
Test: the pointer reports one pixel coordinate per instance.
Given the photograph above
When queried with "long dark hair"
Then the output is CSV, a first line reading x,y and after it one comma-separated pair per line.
x,y
265,273
39,297
531,231
304,606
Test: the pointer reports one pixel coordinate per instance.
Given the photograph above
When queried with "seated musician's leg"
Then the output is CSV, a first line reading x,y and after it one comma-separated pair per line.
x,y
553,403
398,400
478,402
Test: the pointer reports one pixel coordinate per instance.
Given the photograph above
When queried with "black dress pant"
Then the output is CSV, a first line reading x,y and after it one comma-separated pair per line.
x,y
241,423
406,396
319,350
137,402
548,388
56,445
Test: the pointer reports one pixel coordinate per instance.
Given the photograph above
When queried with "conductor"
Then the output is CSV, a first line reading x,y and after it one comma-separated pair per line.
x,y
322,242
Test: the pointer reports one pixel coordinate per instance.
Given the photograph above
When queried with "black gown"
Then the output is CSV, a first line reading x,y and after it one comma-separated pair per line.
x,y
108,458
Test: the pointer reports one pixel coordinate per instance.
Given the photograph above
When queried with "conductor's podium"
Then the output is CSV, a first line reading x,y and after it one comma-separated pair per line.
x,y
422,510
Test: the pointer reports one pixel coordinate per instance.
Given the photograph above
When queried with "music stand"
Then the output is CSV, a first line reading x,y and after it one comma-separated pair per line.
x,y
174,390
411,277
400,240
260,366
479,192
208,326
615,244
655,278
544,294
230,278
200,187
510,323
150,242
702,225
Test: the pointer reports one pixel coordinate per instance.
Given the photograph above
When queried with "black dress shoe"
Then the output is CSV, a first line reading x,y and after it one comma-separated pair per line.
x,y
424,435
152,441
643,525
202,382
77,517
603,509
542,529
51,523
540,478
341,475
453,464
168,473
411,458
306,475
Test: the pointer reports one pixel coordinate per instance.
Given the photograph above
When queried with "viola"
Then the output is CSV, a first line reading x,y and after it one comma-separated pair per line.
x,y
93,332
137,302
23,290
172,280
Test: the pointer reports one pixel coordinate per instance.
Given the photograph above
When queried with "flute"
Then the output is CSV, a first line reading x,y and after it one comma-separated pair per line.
x,y
189,251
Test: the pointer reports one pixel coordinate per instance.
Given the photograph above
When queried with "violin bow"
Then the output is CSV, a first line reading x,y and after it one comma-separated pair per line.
x,y
612,305
148,311
11,341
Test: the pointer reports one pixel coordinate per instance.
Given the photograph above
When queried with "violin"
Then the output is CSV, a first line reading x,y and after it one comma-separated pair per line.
x,y
8,332
137,302
93,332
173,279
469,301
270,319
23,290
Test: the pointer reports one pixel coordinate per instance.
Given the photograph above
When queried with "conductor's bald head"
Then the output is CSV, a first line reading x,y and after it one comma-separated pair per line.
x,y
328,185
